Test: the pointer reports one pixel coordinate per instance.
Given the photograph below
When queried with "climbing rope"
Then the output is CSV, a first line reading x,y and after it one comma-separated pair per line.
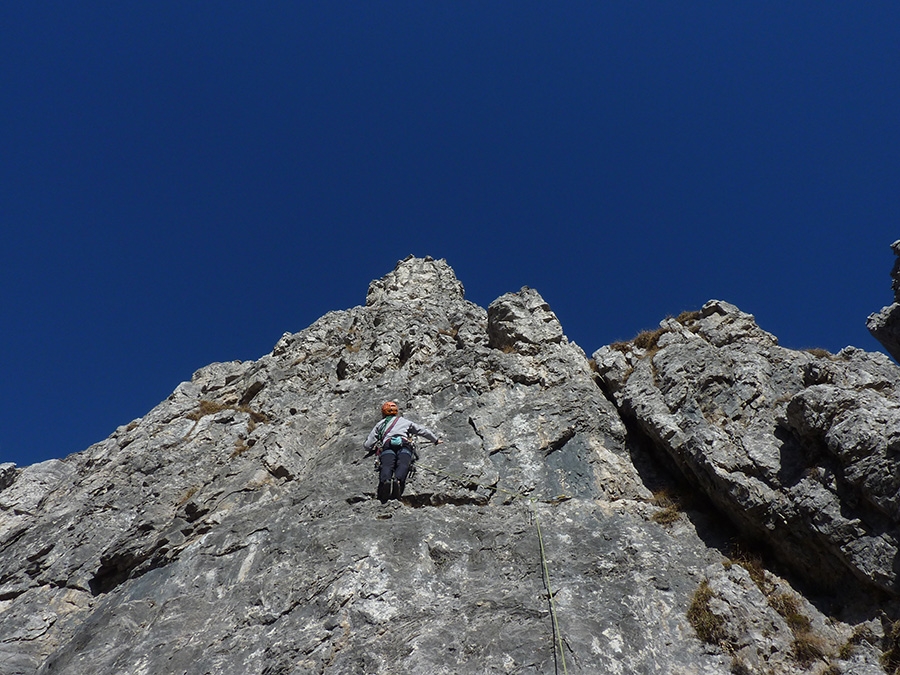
x,y
545,570
556,633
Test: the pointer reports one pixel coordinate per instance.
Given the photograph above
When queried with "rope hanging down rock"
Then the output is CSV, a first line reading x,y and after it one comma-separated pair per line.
x,y
559,646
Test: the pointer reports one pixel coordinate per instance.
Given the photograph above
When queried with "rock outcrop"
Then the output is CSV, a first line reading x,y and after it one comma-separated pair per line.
x,y
661,508
796,448
885,325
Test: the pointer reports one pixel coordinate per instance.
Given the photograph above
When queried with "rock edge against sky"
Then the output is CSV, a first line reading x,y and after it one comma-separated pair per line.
x,y
699,470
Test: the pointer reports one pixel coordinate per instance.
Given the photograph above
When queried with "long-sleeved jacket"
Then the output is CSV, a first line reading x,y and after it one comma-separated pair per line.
x,y
402,427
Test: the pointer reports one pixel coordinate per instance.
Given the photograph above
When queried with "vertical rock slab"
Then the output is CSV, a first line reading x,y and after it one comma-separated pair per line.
x,y
233,529
885,325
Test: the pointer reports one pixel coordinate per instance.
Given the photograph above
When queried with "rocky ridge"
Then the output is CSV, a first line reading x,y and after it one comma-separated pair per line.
x,y
885,325
708,502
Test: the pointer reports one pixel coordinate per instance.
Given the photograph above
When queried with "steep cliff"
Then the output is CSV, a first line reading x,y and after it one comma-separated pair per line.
x,y
698,500
885,325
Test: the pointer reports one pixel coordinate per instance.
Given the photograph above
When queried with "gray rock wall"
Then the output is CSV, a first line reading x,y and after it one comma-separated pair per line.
x,y
795,448
233,529
885,324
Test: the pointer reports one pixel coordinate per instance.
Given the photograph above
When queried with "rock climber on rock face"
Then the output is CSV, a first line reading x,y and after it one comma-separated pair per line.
x,y
391,439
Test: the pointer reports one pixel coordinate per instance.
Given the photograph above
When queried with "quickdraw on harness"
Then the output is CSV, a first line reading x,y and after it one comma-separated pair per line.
x,y
395,443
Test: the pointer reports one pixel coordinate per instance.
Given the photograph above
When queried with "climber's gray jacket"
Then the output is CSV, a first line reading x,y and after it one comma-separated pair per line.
x,y
403,427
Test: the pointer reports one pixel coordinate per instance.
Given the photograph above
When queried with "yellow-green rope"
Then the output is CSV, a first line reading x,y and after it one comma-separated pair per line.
x,y
557,635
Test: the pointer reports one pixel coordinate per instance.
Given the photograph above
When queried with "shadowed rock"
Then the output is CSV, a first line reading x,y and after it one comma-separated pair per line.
x,y
885,325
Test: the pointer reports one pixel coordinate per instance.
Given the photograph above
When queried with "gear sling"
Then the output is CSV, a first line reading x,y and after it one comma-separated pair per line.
x,y
395,445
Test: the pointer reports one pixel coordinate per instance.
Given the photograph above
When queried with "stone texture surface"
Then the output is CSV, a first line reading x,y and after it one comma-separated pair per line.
x,y
233,529
796,448
885,324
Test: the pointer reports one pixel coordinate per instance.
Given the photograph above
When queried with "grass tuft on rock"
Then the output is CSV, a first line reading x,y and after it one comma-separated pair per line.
x,y
670,507
806,646
890,656
753,563
708,626
648,339
819,353
688,317
206,407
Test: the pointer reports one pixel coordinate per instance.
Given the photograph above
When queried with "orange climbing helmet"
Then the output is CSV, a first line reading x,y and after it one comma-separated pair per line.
x,y
389,408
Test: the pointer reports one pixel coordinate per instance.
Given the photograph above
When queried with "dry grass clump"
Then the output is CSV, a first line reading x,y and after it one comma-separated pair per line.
x,y
688,317
187,496
708,626
806,646
256,417
205,408
819,353
860,634
648,339
738,667
752,562
789,608
240,447
670,507
890,657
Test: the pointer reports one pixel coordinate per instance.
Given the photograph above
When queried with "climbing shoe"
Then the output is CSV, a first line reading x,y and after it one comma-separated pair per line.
x,y
384,491
396,489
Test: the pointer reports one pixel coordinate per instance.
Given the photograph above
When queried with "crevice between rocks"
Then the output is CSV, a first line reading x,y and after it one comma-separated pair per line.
x,y
567,435
251,393
131,562
423,499
12,594
443,499
116,569
475,429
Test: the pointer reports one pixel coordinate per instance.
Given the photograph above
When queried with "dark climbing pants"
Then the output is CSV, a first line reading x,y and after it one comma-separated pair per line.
x,y
394,465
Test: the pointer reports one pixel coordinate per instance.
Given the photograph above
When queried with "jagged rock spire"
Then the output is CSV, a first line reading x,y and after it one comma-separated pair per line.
x,y
415,279
522,321
885,325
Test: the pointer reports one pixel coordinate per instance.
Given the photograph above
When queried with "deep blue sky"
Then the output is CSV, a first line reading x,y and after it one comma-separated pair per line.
x,y
182,182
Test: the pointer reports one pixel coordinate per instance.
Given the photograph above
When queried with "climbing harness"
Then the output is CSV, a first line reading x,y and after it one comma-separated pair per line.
x,y
407,444
559,647
381,435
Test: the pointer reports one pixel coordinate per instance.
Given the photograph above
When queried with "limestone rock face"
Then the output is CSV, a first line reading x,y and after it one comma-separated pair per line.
x,y
797,449
522,321
234,529
885,325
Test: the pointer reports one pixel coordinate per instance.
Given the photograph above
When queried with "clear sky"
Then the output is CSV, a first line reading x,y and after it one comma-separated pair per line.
x,y
182,182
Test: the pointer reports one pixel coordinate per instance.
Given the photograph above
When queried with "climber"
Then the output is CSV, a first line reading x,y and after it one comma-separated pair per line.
x,y
390,438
